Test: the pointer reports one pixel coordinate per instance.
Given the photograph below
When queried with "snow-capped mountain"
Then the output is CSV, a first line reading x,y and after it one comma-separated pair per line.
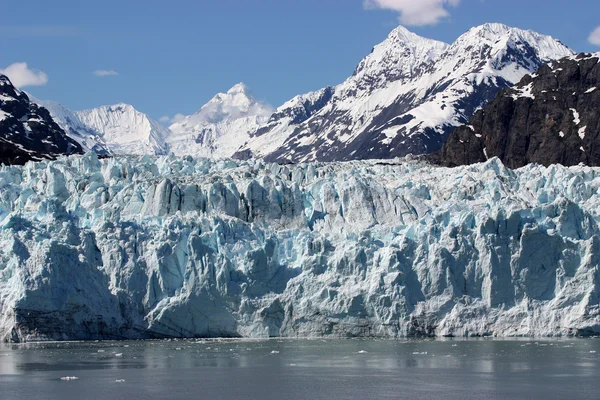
x,y
406,96
27,131
114,129
550,117
125,130
144,247
221,126
89,139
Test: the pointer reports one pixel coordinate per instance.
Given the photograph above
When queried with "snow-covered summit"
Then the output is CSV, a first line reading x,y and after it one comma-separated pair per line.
x,y
402,55
117,129
408,95
221,126
126,130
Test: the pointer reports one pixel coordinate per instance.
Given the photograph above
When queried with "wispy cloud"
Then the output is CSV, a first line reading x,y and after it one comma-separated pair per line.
x,y
38,31
166,119
21,75
595,37
104,72
416,12
177,118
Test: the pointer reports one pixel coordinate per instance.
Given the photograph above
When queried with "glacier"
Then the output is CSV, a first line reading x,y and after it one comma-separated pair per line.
x,y
155,247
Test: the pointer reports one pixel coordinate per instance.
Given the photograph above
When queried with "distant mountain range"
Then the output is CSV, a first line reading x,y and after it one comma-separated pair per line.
x,y
406,97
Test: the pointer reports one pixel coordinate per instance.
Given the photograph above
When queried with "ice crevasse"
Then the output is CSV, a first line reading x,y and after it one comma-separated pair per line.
x,y
152,247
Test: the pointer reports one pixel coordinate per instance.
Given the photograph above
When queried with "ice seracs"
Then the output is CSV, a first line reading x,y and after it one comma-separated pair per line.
x,y
145,247
221,126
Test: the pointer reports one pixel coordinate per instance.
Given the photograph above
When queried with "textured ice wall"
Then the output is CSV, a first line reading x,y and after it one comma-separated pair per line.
x,y
157,247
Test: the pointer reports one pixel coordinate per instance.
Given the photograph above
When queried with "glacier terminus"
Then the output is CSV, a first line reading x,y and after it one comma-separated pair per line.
x,y
159,246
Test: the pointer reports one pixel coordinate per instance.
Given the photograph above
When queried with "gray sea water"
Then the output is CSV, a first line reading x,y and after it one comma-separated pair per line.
x,y
303,369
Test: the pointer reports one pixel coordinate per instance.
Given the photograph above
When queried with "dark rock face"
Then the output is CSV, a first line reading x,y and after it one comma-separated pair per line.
x,y
27,131
550,117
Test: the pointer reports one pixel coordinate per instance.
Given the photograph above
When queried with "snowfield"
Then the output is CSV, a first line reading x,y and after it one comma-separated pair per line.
x,y
144,247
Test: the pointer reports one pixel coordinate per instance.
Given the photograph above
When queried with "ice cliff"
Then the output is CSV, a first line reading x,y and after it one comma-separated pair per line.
x,y
142,247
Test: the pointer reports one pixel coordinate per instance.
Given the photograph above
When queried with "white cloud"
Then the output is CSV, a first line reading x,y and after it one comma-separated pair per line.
x,y
21,75
177,118
104,72
165,119
595,37
416,12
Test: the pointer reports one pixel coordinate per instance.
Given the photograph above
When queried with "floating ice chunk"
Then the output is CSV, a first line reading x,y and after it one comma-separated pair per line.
x,y
274,352
362,352
69,378
120,380
100,351
119,355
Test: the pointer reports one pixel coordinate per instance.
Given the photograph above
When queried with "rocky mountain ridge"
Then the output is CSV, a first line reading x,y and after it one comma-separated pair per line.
x,y
27,131
550,117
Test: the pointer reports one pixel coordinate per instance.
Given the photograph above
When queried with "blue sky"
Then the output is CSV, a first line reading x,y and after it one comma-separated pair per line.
x,y
171,57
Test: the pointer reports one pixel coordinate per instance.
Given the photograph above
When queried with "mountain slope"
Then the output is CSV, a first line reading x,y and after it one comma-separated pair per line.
x,y
89,139
548,118
408,95
221,126
114,129
125,130
27,131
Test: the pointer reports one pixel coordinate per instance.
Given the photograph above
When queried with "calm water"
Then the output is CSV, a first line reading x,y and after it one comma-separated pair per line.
x,y
303,369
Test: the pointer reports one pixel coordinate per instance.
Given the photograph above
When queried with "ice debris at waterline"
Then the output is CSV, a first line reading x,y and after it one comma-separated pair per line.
x,y
144,247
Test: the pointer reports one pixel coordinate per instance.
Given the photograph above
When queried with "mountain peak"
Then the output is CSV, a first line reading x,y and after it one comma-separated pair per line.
x,y
239,88
406,36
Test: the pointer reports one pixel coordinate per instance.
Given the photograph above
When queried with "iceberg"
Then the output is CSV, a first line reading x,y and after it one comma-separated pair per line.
x,y
155,247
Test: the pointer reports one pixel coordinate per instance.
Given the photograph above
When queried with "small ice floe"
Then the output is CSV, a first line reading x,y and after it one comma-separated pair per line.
x,y
177,348
126,345
454,345
100,351
274,352
120,380
362,352
69,378
593,351
119,355
292,365
422,353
